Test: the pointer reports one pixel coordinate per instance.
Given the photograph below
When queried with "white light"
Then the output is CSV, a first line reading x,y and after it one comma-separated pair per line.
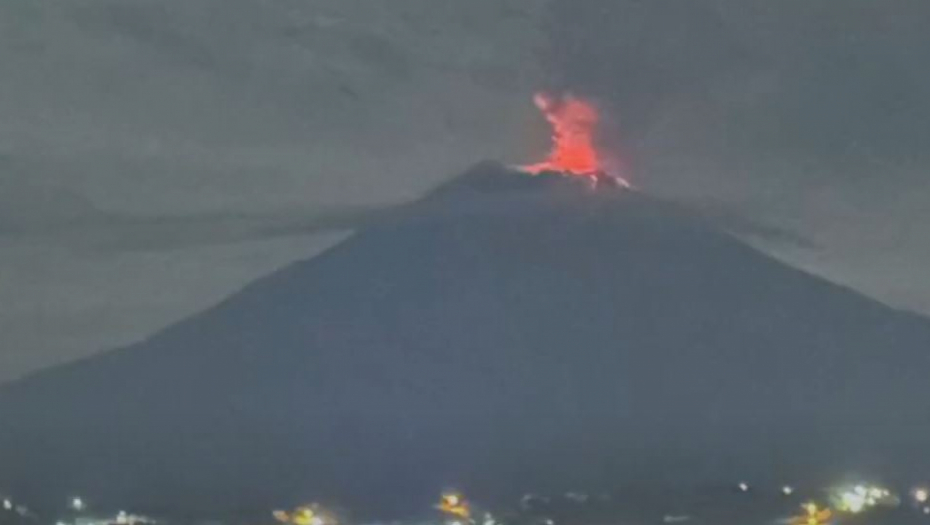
x,y
860,490
77,504
787,490
7,505
853,502
926,510
743,486
921,495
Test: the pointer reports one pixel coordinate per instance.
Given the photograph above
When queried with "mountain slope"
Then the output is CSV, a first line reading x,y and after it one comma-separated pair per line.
x,y
505,334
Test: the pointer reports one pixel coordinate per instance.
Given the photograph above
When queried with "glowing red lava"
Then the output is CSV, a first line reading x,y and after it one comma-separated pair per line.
x,y
574,124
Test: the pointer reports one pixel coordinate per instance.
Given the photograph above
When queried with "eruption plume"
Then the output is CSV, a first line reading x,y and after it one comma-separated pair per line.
x,y
574,124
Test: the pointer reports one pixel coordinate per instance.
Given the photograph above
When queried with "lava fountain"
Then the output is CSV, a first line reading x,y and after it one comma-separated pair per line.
x,y
574,124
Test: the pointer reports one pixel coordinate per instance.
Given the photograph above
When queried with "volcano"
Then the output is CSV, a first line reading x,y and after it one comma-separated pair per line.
x,y
506,333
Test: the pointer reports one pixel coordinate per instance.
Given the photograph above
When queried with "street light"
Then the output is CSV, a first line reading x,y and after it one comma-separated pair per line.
x,y
77,504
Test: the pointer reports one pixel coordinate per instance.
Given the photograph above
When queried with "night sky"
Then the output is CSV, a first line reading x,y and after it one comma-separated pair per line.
x,y
141,142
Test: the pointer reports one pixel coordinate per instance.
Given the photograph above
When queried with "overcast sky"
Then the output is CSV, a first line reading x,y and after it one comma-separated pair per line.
x,y
150,150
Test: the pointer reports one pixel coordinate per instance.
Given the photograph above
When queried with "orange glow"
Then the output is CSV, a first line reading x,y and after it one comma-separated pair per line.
x,y
813,515
574,123
455,505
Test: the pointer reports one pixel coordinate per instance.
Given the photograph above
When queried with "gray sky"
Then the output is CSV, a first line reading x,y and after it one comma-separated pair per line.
x,y
144,143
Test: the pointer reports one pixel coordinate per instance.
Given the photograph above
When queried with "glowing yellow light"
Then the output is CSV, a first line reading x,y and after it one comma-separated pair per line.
x,y
304,515
455,505
813,515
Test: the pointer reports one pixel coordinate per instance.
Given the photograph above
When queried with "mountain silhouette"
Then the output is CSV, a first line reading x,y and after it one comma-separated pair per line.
x,y
505,334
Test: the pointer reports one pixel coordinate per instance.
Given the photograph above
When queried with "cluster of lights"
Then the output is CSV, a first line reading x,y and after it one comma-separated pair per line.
x,y
786,490
303,515
853,500
861,497
8,505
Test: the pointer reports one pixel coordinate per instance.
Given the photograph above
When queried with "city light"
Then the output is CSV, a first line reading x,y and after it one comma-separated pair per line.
x,y
455,505
861,497
853,501
305,515
813,515
850,499
921,495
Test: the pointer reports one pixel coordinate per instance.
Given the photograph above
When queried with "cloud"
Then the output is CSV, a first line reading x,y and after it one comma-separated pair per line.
x,y
26,205
115,232
742,223
37,214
